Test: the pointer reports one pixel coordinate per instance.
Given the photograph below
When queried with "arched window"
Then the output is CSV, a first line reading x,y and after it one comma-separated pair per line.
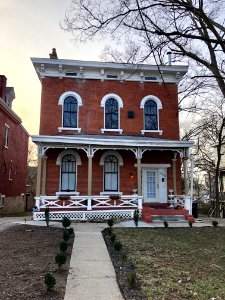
x,y
111,173
68,173
111,114
70,112
151,115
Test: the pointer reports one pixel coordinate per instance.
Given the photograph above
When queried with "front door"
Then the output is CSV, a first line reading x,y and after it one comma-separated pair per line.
x,y
154,185
150,185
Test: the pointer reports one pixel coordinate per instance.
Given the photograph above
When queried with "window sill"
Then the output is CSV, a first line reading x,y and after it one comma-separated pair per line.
x,y
69,128
68,193
111,130
6,147
152,131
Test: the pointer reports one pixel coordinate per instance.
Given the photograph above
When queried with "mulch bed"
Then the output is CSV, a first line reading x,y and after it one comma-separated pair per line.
x,y
123,268
27,253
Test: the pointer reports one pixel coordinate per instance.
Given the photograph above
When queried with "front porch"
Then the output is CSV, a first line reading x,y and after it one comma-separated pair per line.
x,y
86,208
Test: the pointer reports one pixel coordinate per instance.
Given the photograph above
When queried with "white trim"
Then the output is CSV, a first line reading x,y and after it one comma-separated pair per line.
x,y
67,193
111,193
112,130
151,131
107,153
114,96
151,97
73,94
60,129
65,152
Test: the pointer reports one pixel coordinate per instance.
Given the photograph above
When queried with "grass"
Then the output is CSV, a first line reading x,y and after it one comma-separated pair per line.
x,y
177,263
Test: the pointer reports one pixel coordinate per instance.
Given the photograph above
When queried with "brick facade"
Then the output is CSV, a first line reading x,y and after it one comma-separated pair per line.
x,y
13,157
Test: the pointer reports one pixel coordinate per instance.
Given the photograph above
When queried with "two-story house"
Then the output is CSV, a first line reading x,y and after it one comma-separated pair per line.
x,y
107,131
13,153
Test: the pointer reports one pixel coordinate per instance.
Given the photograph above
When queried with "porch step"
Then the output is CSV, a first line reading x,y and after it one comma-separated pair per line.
x,y
168,218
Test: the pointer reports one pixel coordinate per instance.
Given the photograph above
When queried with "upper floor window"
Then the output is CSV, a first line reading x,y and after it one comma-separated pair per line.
x,y
151,115
112,104
6,136
70,102
151,106
70,112
111,114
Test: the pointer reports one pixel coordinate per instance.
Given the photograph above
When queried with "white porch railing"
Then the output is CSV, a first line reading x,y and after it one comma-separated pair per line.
x,y
89,202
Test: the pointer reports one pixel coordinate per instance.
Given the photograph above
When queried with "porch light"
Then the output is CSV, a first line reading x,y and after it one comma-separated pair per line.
x,y
131,174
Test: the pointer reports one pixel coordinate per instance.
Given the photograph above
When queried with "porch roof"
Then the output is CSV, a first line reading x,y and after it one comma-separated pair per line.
x,y
121,141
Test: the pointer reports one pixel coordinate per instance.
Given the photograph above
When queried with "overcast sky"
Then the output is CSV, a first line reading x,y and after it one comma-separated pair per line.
x,y
30,28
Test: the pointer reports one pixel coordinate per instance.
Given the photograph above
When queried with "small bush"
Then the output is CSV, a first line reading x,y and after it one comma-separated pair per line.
x,y
108,231
50,281
215,223
166,225
60,258
66,235
136,217
71,231
123,258
66,222
118,246
113,237
190,224
63,246
131,279
110,222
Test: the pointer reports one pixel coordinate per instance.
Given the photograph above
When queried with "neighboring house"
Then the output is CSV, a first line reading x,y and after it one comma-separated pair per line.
x,y
107,129
13,153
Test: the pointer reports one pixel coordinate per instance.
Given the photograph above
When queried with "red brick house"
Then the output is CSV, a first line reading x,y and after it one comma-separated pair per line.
x,y
13,153
107,130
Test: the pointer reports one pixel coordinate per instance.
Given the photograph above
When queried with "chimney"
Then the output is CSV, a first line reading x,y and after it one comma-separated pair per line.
x,y
53,55
3,81
169,58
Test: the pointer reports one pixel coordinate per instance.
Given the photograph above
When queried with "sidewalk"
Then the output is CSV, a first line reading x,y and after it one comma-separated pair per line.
x,y
91,275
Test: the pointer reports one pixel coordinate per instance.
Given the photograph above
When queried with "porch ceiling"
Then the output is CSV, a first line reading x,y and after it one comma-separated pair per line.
x,y
104,141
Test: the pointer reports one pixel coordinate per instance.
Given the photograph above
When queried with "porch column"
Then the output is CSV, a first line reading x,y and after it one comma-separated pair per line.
x,y
174,160
43,191
139,176
90,175
186,188
39,168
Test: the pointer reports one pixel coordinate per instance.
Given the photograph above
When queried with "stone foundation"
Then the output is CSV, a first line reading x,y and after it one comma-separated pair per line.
x,y
13,205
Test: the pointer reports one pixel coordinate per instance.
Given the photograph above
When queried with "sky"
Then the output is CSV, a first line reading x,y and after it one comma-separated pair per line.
x,y
31,28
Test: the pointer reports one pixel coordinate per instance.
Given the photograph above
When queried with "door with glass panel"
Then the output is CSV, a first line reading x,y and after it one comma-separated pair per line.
x,y
150,185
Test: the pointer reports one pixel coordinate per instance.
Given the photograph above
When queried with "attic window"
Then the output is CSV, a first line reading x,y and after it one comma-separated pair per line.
x,y
112,76
150,78
71,74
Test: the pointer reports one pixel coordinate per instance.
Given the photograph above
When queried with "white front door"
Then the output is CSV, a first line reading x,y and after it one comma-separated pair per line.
x,y
154,185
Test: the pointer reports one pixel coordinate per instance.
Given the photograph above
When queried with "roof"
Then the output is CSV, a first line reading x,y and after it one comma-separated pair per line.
x,y
121,141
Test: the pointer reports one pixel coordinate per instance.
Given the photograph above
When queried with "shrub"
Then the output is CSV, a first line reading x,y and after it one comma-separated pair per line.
x,y
131,279
66,235
63,246
136,217
123,258
166,225
66,222
113,237
71,231
60,258
108,231
50,281
190,224
118,246
215,223
110,222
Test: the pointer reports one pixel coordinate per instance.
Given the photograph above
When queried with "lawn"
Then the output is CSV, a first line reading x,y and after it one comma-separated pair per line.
x,y
172,263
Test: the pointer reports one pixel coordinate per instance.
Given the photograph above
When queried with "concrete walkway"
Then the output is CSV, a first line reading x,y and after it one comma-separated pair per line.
x,y
91,275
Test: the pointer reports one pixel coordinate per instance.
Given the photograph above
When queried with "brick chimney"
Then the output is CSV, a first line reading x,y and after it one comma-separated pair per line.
x,y
3,81
53,55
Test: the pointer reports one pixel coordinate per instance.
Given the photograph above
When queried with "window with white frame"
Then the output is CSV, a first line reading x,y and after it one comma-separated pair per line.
x,y
70,102
111,174
112,104
151,105
6,136
68,173
68,160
